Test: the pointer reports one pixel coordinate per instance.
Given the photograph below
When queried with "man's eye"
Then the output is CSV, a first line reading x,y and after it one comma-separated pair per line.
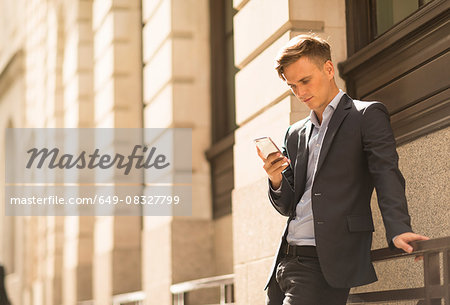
x,y
305,82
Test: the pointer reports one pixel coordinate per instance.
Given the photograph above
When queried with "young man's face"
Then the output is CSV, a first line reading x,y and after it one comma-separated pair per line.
x,y
311,84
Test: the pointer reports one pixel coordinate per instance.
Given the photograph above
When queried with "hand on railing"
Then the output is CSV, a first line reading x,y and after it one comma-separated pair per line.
x,y
402,242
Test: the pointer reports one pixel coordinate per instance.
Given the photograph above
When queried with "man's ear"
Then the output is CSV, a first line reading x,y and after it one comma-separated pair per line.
x,y
329,69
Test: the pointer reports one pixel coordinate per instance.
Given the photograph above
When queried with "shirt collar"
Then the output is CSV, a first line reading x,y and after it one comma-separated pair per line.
x,y
332,106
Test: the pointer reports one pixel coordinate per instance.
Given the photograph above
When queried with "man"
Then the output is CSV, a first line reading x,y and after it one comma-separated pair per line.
x,y
3,295
324,180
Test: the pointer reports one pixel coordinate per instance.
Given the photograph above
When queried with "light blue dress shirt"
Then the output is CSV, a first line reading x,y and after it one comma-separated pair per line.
x,y
301,228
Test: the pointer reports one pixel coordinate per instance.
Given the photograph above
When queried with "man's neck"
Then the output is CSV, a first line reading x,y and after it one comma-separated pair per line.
x,y
319,112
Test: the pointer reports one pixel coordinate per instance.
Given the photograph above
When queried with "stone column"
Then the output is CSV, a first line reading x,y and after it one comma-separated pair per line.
x,y
118,104
42,255
265,107
176,94
12,99
77,110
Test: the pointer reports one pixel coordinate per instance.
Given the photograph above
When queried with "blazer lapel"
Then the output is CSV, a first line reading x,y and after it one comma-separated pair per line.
x,y
338,116
301,162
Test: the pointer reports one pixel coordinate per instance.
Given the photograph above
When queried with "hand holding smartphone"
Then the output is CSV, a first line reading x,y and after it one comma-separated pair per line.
x,y
274,161
266,146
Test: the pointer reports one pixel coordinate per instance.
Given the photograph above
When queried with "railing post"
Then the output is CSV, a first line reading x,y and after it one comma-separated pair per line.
x,y
229,293
446,270
178,299
432,277
222,294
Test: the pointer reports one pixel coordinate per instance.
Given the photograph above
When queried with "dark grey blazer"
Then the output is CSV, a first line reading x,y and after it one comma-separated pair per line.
x,y
358,153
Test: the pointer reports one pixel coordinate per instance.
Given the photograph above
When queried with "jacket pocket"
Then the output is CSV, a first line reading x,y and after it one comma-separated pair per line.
x,y
360,223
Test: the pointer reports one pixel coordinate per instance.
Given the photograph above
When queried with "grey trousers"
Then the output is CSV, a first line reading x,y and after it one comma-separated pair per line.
x,y
299,281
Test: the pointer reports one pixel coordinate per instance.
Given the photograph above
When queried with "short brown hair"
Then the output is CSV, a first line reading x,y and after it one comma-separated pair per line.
x,y
309,45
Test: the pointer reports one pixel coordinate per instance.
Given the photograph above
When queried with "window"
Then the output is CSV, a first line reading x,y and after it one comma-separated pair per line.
x,y
222,69
387,13
397,54
369,19
223,72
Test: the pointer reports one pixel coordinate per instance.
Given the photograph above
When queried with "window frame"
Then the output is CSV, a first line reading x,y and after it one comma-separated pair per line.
x,y
220,154
408,57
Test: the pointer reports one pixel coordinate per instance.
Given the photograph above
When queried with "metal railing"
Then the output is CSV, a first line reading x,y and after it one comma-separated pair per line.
x,y
225,282
433,292
130,298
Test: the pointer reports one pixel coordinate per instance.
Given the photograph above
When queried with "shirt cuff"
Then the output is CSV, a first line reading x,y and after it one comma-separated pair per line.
x,y
393,238
278,190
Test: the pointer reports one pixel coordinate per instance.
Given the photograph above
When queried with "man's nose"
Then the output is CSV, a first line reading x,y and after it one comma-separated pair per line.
x,y
296,91
301,93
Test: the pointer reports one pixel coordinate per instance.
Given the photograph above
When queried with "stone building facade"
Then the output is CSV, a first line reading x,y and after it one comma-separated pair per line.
x,y
171,63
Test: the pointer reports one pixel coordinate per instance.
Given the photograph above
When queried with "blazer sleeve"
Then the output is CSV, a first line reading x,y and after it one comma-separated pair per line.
x,y
380,149
282,197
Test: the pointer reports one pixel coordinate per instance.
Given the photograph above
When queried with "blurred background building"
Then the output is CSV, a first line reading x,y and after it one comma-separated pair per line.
x,y
208,65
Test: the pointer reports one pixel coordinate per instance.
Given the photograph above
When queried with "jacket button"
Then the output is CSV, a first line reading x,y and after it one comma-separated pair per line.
x,y
320,222
317,194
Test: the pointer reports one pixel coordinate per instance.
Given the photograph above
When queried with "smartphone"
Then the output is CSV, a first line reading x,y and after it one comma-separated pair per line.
x,y
266,146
